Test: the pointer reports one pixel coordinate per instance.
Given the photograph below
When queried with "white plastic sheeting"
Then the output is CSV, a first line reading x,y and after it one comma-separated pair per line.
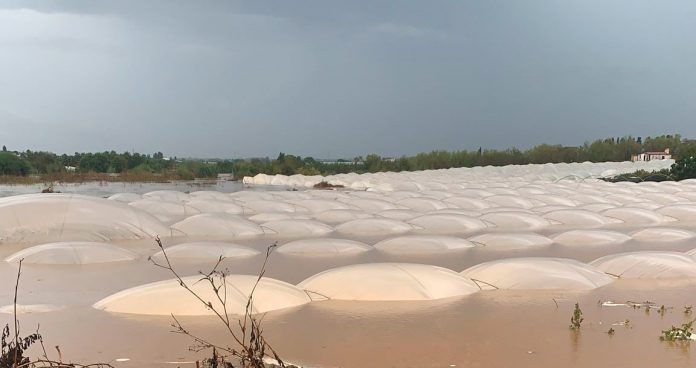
x,y
510,201
423,244
206,251
373,205
373,227
388,281
434,179
447,223
323,247
516,220
469,203
167,195
72,253
511,241
537,273
682,212
204,205
591,238
321,205
164,210
296,228
218,225
648,265
168,297
578,218
423,204
210,195
55,217
662,234
637,216
334,217
265,206
276,216
401,215
126,197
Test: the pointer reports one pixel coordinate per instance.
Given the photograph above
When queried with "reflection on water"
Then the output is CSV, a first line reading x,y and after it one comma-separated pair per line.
x,y
106,189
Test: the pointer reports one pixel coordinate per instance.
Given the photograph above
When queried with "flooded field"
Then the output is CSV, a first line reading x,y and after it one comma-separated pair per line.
x,y
105,189
464,267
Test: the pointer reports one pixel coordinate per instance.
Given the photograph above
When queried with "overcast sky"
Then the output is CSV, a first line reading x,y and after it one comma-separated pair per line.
x,y
336,79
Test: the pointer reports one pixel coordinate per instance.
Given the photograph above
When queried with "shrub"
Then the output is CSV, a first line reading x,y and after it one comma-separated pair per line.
x,y
684,168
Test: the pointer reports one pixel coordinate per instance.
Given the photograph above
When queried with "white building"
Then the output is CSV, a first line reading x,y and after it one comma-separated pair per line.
x,y
649,156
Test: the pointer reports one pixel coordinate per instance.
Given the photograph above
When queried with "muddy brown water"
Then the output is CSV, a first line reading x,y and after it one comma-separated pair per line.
x,y
488,329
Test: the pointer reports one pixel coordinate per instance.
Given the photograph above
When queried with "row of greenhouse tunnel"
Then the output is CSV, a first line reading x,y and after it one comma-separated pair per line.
x,y
405,282
640,229
52,217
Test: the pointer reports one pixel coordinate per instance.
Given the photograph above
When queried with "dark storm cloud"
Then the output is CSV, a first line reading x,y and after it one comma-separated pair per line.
x,y
341,78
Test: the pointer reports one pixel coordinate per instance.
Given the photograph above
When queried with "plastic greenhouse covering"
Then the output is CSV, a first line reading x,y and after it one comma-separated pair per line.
x,y
168,297
206,251
54,217
590,238
648,265
323,247
537,273
427,244
388,281
72,253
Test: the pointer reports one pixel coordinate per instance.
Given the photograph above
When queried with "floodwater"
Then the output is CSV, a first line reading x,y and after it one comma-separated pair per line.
x,y
497,328
105,188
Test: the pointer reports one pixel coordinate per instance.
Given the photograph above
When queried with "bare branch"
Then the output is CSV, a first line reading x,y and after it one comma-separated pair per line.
x,y
252,345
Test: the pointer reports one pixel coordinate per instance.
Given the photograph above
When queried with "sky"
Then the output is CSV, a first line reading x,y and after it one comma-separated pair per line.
x,y
333,79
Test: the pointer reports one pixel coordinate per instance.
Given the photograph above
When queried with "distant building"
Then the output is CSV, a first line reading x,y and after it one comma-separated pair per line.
x,y
70,168
649,156
388,159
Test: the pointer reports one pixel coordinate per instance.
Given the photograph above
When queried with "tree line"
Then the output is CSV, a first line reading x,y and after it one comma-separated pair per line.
x,y
14,163
609,149
602,150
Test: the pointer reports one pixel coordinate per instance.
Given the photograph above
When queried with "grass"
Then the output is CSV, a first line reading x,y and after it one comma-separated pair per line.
x,y
576,319
682,333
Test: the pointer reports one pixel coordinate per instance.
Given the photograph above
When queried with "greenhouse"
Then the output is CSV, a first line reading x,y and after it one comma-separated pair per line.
x,y
388,281
537,273
169,297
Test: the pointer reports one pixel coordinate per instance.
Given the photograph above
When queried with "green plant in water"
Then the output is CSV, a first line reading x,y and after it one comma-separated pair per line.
x,y
688,310
682,333
576,319
611,331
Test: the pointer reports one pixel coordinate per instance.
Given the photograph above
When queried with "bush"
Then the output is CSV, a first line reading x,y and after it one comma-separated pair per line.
x,y
10,164
184,173
684,168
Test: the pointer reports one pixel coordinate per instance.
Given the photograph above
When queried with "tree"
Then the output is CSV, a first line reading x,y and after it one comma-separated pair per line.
x,y
684,168
10,164
373,162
